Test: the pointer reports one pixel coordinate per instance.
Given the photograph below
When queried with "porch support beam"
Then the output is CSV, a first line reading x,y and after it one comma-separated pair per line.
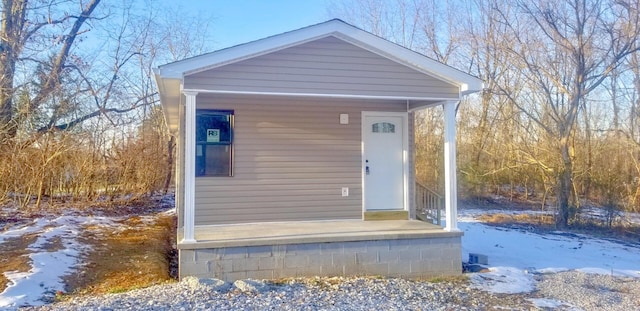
x,y
450,183
189,167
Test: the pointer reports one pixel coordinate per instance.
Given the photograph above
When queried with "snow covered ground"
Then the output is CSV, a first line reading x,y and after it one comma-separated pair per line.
x,y
514,256
48,264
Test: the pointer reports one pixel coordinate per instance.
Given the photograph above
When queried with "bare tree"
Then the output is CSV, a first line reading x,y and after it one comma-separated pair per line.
x,y
21,27
79,111
566,50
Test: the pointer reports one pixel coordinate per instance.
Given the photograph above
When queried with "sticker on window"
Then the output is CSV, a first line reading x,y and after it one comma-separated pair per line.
x,y
213,135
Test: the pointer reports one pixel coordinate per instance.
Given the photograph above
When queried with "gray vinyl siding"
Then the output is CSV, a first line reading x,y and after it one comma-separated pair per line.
x,y
291,160
324,66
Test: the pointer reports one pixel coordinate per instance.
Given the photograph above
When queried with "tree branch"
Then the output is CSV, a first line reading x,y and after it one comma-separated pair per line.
x,y
68,125
53,77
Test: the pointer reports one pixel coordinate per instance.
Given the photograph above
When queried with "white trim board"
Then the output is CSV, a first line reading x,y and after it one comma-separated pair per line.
x,y
351,96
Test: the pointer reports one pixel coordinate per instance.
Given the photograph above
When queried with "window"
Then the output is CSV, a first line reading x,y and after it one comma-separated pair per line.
x,y
214,142
383,127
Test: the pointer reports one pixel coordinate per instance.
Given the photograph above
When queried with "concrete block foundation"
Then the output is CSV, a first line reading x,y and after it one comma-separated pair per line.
x,y
401,257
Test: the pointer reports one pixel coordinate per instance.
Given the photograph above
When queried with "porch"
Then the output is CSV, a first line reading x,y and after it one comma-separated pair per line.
x,y
400,248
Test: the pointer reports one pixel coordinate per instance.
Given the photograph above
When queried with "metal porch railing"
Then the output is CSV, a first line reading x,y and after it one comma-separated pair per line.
x,y
429,204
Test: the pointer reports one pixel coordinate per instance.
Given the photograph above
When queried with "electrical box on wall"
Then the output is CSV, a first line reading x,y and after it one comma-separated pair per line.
x,y
345,191
344,118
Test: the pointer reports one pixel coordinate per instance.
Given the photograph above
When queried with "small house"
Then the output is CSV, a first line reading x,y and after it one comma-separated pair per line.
x,y
295,157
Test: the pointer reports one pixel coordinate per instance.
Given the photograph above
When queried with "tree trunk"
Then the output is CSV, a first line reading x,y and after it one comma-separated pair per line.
x,y
565,185
589,153
13,19
170,151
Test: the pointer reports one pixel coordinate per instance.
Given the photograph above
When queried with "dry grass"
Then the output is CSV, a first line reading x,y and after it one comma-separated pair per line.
x,y
628,233
139,256
528,219
455,279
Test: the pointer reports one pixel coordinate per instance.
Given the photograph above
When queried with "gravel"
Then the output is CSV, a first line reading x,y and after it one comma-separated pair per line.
x,y
561,291
591,292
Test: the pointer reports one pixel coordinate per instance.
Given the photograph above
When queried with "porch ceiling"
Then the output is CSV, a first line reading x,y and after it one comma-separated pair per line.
x,y
281,233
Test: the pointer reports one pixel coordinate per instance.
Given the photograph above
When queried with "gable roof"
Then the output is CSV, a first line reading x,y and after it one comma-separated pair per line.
x,y
169,77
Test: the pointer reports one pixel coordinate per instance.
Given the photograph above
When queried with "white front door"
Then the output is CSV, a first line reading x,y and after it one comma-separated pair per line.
x,y
384,160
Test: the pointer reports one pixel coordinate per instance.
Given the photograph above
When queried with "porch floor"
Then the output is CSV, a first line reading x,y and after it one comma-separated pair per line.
x,y
300,232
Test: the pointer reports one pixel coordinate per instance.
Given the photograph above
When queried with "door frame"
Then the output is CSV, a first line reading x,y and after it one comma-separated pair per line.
x,y
405,152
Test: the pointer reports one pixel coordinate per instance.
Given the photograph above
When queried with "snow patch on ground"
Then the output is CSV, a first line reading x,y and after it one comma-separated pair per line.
x,y
545,303
23,229
515,254
53,255
504,280
552,270
169,212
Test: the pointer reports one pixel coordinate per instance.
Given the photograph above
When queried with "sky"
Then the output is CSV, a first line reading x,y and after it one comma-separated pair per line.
x,y
239,21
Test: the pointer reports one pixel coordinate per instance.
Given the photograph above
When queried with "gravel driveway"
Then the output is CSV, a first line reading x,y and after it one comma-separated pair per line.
x,y
560,291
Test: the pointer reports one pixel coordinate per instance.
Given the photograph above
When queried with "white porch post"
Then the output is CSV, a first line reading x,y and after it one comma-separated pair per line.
x,y
189,166
450,184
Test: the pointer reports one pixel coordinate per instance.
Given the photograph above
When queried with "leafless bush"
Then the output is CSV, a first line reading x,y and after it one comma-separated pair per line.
x,y
66,166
